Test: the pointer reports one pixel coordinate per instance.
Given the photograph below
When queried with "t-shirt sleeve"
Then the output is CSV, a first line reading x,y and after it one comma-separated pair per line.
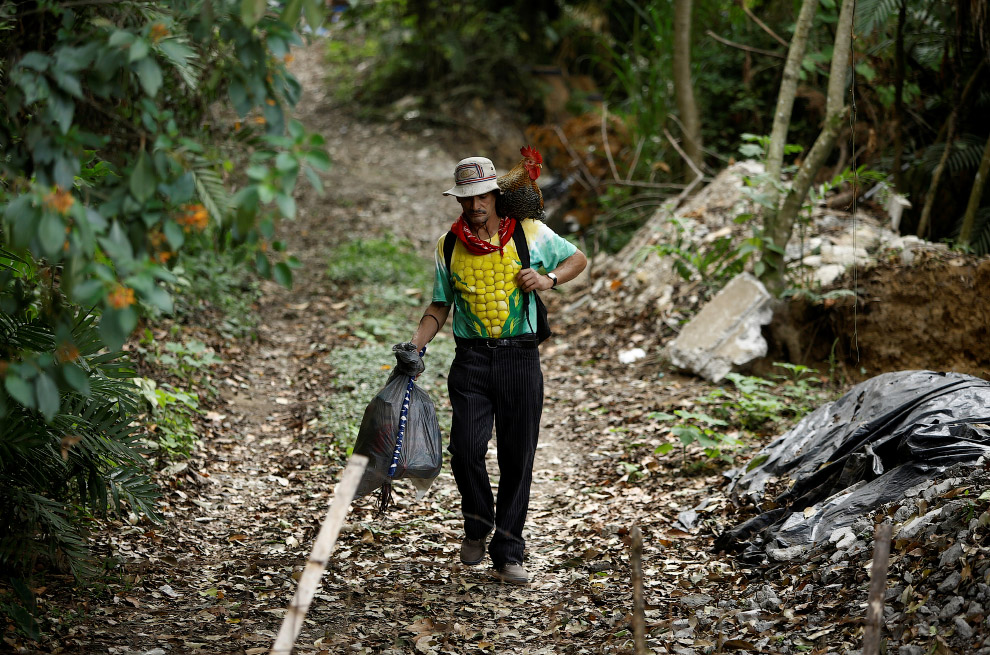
x,y
442,291
550,248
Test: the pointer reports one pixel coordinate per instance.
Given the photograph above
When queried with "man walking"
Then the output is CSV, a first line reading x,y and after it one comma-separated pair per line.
x,y
495,376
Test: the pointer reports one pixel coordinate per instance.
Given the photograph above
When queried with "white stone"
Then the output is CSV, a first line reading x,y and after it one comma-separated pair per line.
x,y
829,273
631,355
727,330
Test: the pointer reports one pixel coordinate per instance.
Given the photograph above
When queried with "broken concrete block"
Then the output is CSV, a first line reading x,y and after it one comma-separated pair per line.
x,y
726,332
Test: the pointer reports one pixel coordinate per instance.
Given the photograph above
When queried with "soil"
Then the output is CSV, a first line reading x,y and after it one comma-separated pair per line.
x,y
242,513
933,314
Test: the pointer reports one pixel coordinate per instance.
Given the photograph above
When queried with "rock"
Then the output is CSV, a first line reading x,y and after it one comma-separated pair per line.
x,y
910,650
951,555
912,529
951,582
953,607
962,628
766,598
749,616
695,600
826,274
726,332
631,355
787,554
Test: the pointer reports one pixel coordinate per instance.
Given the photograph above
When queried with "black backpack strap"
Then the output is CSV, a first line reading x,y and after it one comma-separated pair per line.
x,y
449,241
522,249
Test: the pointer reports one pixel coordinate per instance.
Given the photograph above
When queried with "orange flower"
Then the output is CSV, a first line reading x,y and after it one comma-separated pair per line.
x,y
237,125
289,59
270,102
196,217
67,352
60,201
158,32
163,257
121,297
260,120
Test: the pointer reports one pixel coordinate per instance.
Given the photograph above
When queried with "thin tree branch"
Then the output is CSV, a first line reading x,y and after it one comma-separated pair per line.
x,y
763,25
635,162
747,48
605,143
590,181
699,175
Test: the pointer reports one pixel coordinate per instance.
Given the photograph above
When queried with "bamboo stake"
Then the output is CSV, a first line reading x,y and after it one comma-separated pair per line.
x,y
639,609
325,541
878,585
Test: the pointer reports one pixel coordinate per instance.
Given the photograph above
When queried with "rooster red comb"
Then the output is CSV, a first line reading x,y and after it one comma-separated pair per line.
x,y
533,153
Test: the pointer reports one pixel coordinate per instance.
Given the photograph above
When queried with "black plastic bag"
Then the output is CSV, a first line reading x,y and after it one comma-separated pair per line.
x,y
420,454
883,437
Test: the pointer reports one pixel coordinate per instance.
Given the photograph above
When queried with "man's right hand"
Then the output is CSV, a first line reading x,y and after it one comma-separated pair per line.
x,y
408,360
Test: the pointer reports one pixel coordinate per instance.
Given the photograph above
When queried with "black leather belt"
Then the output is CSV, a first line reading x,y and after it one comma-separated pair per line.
x,y
526,341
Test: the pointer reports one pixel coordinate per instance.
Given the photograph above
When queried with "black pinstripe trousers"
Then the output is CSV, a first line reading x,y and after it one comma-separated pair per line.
x,y
502,385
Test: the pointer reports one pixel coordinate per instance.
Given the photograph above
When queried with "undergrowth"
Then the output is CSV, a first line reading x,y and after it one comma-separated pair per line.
x,y
751,406
387,284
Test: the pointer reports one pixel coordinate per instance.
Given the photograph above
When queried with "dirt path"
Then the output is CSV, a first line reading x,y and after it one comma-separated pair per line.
x,y
243,512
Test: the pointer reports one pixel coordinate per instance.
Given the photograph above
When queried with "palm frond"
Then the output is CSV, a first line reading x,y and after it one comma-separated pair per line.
x,y
210,188
967,150
874,14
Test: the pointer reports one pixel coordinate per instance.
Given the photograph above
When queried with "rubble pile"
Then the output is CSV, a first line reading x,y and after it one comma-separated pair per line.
x,y
937,595
642,301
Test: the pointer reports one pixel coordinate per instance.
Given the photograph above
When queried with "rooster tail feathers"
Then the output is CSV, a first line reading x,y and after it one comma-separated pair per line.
x,y
530,151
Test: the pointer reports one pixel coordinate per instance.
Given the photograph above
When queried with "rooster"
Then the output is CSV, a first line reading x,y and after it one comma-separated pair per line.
x,y
520,196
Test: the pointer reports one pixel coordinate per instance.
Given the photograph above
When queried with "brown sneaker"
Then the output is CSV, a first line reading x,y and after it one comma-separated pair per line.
x,y
513,573
472,551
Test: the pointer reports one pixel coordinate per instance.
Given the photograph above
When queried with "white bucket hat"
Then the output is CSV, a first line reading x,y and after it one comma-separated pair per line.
x,y
472,177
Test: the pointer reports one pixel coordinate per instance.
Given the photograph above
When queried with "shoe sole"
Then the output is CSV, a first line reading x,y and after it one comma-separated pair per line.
x,y
472,563
510,580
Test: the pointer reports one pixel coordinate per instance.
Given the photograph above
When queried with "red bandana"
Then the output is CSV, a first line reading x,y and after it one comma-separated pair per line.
x,y
506,226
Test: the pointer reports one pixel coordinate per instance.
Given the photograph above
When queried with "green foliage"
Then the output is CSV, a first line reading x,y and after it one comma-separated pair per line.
x,y
171,418
701,429
189,361
713,264
215,287
374,262
751,405
640,74
451,51
108,190
67,442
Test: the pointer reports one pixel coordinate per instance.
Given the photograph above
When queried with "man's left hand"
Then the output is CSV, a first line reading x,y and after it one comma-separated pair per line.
x,y
529,280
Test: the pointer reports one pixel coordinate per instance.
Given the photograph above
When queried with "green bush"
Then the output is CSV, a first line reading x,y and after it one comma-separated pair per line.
x,y
68,447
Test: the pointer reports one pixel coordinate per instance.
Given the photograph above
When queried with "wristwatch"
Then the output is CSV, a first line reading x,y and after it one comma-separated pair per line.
x,y
554,278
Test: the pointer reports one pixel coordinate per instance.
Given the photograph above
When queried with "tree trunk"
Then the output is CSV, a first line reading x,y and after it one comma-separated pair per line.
x,y
975,195
683,88
898,123
779,227
785,97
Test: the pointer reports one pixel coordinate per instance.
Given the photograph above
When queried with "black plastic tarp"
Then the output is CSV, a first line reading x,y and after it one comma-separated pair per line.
x,y
885,436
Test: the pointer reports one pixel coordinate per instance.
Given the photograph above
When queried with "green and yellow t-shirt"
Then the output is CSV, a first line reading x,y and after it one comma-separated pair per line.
x,y
482,288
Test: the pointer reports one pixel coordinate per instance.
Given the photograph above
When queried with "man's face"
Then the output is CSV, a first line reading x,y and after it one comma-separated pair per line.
x,y
478,209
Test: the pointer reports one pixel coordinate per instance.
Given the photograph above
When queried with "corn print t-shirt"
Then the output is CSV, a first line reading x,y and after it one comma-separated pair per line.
x,y
482,288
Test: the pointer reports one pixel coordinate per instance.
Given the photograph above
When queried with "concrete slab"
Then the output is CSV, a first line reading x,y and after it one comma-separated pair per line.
x,y
726,332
